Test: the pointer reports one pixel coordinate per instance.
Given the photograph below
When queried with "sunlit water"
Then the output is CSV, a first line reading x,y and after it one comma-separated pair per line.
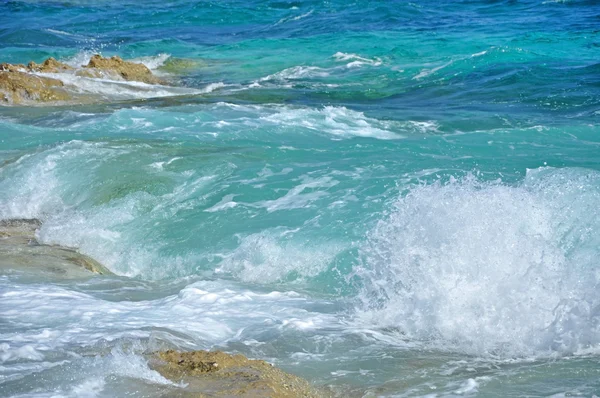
x,y
386,198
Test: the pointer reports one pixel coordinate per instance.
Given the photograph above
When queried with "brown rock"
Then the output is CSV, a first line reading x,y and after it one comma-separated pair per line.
x,y
19,87
210,374
6,67
48,66
126,70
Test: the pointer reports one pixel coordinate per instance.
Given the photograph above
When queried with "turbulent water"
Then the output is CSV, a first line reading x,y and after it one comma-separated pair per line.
x,y
387,198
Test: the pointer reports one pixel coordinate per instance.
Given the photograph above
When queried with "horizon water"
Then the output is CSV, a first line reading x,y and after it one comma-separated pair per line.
x,y
386,198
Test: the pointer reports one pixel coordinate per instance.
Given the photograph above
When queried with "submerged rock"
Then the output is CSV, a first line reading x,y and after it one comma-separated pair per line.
x,y
217,374
115,66
181,65
19,250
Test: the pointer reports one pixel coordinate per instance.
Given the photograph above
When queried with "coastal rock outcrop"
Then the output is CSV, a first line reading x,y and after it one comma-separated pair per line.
x,y
18,86
19,250
49,81
48,66
217,374
116,67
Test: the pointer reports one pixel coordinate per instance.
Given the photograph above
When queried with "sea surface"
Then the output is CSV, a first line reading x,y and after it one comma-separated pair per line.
x,y
387,198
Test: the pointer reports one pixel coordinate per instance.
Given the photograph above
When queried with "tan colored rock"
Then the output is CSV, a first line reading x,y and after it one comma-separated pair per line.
x,y
19,250
217,374
20,87
6,67
125,69
20,84
48,66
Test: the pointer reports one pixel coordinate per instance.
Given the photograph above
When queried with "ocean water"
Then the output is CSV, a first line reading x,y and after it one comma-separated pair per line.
x,y
388,198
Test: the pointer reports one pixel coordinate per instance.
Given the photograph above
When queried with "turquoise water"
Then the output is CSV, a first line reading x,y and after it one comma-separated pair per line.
x,y
386,198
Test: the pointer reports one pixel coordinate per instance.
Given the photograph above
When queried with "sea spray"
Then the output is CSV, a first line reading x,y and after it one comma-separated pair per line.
x,y
489,268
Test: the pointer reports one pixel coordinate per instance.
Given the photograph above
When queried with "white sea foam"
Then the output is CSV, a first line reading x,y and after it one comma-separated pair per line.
x,y
79,59
226,203
201,314
82,58
267,257
356,61
337,121
297,198
296,72
490,268
212,87
153,62
119,89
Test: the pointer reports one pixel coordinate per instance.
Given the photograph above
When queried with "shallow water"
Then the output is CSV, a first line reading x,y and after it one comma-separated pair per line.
x,y
386,198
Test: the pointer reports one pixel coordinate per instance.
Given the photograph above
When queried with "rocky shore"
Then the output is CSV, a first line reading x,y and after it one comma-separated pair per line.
x,y
47,82
204,373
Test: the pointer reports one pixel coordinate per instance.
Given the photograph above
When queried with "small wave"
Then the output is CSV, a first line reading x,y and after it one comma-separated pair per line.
x,y
79,59
427,72
356,60
296,72
153,62
295,18
212,87
265,258
120,89
338,121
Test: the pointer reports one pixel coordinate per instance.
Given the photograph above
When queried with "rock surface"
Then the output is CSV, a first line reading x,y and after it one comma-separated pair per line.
x,y
48,66
20,84
19,250
217,374
115,66
17,87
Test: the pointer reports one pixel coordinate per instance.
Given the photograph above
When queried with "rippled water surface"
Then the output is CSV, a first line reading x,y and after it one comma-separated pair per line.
x,y
387,198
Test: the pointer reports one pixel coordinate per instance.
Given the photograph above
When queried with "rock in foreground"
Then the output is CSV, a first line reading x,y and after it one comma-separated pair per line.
x,y
19,250
217,374
18,87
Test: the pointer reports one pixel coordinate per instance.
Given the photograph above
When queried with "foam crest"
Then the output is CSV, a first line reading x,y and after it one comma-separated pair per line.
x,y
297,72
490,268
116,89
153,62
30,187
337,121
356,61
264,258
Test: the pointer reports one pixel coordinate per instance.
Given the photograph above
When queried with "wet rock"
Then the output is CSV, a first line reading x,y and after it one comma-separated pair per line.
x,y
115,66
6,67
48,66
18,87
20,84
217,374
19,250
